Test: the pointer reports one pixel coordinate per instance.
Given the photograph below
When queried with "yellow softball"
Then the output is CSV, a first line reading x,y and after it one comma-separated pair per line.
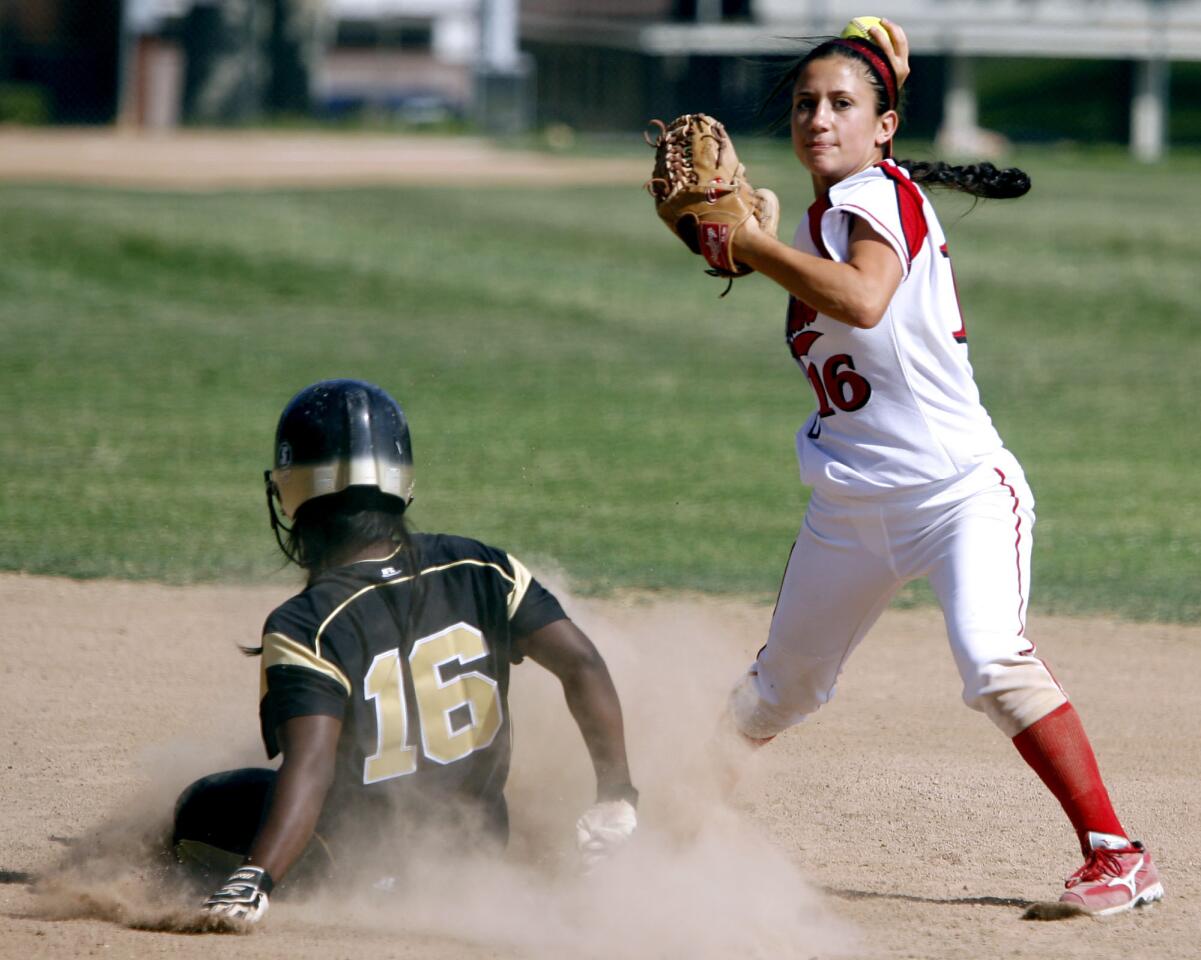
x,y
860,26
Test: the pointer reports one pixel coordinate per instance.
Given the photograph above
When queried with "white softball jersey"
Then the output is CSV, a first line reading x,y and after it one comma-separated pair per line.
x,y
910,480
897,405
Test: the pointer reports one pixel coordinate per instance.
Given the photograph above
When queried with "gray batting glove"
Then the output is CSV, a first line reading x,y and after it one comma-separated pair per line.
x,y
244,896
604,828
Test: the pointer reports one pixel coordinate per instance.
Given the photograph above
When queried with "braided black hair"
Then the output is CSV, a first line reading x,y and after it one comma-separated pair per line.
x,y
333,529
978,179
329,529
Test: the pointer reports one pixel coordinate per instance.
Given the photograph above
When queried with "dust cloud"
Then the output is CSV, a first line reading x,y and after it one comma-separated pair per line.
x,y
698,880
122,871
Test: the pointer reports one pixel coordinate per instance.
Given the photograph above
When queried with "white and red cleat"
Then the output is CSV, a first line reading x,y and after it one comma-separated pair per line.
x,y
1118,875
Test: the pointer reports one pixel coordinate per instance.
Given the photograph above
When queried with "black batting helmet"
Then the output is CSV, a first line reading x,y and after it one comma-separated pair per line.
x,y
337,434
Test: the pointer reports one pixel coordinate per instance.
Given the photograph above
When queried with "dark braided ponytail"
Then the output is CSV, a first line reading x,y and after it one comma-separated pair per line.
x,y
977,179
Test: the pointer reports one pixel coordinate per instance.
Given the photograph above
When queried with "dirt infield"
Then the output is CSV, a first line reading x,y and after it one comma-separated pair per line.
x,y
218,159
898,824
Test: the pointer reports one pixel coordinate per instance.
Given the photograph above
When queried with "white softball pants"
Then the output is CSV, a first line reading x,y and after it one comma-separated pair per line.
x,y
971,538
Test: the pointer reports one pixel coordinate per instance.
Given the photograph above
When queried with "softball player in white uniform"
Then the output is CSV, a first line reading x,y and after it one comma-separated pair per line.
x,y
909,477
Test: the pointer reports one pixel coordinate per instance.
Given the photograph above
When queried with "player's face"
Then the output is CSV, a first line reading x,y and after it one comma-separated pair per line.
x,y
835,129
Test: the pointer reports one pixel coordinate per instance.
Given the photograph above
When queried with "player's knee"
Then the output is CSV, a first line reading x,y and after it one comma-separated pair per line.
x,y
223,809
760,717
1014,693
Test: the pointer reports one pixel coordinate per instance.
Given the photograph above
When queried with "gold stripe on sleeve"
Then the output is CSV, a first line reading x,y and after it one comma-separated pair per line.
x,y
521,583
279,650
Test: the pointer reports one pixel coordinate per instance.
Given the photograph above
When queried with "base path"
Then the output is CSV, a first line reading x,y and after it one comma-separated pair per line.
x,y
897,824
204,159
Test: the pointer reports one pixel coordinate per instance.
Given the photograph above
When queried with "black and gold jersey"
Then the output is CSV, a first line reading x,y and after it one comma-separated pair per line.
x,y
415,662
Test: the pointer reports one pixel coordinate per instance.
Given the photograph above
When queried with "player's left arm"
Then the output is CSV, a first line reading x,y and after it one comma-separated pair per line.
x,y
565,650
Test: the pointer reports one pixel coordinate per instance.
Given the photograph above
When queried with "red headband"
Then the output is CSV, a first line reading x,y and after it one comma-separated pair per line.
x,y
881,67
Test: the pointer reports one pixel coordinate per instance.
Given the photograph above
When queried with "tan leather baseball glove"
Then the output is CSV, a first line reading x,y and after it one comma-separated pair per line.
x,y
701,191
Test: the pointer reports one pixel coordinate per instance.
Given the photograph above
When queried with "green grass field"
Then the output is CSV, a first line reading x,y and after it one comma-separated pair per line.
x,y
578,392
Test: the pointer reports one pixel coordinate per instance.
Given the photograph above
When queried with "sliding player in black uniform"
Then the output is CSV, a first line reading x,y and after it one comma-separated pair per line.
x,y
384,681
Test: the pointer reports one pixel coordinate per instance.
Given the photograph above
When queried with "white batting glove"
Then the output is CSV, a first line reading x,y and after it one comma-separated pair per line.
x,y
244,896
602,829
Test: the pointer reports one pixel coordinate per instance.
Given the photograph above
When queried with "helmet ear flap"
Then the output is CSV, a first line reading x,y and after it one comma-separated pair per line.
x,y
277,525
273,495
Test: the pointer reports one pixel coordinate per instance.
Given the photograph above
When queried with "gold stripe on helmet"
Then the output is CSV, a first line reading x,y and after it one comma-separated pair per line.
x,y
298,484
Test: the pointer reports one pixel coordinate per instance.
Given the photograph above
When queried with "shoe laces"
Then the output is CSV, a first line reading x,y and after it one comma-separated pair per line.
x,y
1100,863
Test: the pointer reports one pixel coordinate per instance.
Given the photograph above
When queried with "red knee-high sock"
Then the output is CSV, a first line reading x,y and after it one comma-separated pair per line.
x,y
1058,749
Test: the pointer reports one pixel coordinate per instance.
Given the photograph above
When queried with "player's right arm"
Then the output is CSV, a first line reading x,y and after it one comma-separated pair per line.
x,y
309,746
304,695
856,292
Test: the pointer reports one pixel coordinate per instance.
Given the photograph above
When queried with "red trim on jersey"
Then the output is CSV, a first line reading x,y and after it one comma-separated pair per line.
x,y
960,335
1017,550
800,315
909,205
816,209
802,343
